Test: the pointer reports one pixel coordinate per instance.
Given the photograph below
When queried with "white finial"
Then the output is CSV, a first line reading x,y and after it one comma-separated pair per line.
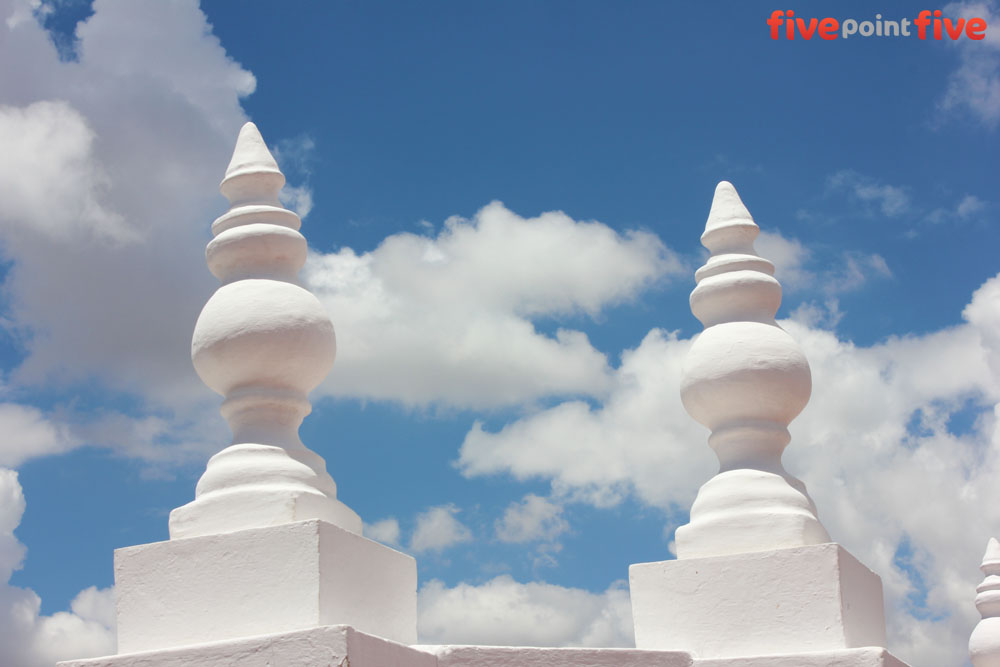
x,y
745,379
984,644
264,343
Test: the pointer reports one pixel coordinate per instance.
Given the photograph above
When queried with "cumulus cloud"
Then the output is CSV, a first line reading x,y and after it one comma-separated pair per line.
x,y
788,255
531,520
87,308
385,531
27,638
504,612
27,433
906,423
974,87
438,529
968,207
846,272
51,179
109,179
891,201
450,319
600,455
297,198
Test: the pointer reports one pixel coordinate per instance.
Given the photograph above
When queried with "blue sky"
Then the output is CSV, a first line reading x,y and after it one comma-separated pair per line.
x,y
504,403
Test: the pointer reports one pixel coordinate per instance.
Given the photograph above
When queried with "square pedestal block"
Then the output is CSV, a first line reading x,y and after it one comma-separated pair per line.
x,y
514,656
262,581
798,600
856,657
330,646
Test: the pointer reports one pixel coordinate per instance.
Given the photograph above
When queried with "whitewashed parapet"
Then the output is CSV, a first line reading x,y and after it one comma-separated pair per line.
x,y
263,342
745,379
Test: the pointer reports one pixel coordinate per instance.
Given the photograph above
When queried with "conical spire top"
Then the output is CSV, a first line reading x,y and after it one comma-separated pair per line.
x,y
992,556
251,153
727,208
253,173
749,292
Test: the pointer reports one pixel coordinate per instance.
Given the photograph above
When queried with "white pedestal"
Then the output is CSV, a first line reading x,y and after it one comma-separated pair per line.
x,y
316,647
787,601
262,581
856,657
519,656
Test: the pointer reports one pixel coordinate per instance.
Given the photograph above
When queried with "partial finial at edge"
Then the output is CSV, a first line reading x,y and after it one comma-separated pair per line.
x,y
984,643
992,555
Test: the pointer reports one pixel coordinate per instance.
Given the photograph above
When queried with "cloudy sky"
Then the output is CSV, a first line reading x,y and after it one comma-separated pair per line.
x,y
503,203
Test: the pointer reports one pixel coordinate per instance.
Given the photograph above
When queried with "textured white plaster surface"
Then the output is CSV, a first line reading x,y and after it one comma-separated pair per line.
x,y
330,646
745,379
342,646
261,581
814,598
862,657
984,644
487,656
264,342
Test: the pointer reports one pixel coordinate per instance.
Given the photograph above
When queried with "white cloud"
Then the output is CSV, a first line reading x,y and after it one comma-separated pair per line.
x,y
437,529
51,178
28,639
449,319
892,201
11,510
109,179
503,612
847,271
27,433
385,531
88,308
600,455
788,255
855,271
297,198
531,520
882,435
825,315
968,207
974,87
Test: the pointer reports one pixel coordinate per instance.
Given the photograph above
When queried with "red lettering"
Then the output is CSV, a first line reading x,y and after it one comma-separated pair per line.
x,y
829,27
977,26
957,32
922,21
807,33
775,22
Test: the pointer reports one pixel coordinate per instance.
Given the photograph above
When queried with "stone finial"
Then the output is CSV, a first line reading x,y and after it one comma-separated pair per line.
x,y
263,342
984,644
745,379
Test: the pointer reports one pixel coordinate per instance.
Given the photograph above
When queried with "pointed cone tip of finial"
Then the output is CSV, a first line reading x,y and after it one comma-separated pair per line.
x,y
727,208
992,551
251,154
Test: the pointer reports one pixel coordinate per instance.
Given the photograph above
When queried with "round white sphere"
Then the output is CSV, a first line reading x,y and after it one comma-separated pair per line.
x,y
739,371
263,333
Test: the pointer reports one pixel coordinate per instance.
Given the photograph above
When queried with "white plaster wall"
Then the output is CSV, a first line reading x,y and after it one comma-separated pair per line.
x,y
261,581
813,598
